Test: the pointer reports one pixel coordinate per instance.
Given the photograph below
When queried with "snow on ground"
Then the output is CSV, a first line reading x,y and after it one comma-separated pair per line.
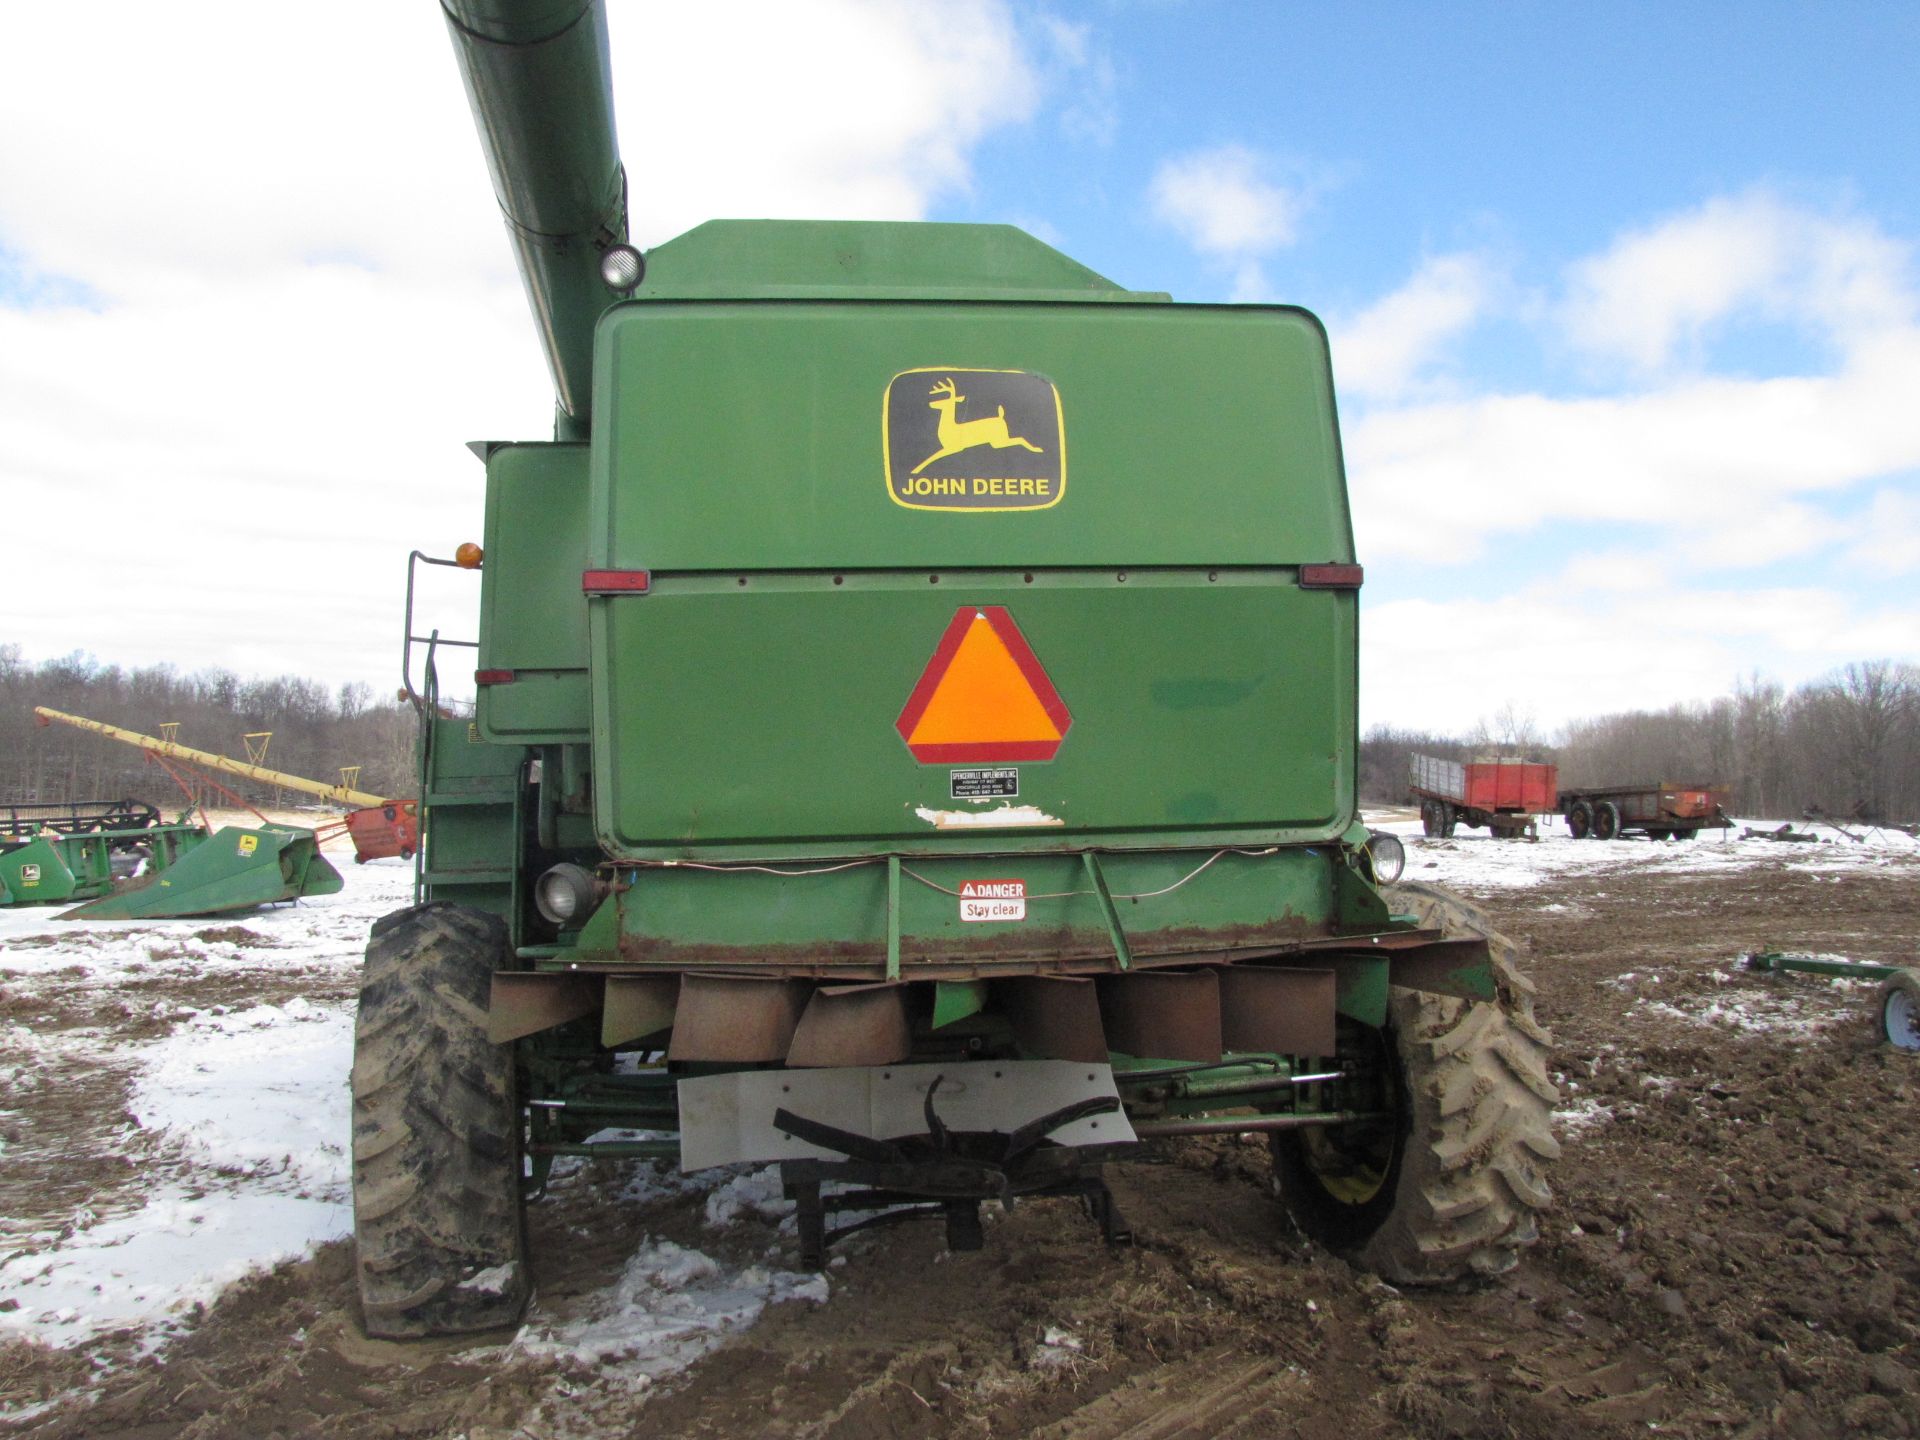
x,y
1474,860
243,1111
240,1128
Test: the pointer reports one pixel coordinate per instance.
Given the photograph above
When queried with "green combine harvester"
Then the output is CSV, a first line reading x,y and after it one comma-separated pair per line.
x,y
915,745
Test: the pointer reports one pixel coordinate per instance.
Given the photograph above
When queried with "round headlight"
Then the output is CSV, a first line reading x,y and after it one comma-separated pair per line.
x,y
565,893
1389,856
623,268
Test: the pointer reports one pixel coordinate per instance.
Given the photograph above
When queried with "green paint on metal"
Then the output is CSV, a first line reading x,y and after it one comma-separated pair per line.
x,y
1170,902
1361,910
1773,960
1360,987
599,939
790,259
542,95
815,677
748,436
36,874
893,917
52,869
1120,951
957,999
533,617
235,869
472,828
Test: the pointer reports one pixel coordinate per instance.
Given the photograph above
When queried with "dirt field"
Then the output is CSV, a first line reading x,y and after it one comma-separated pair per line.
x,y
1734,1252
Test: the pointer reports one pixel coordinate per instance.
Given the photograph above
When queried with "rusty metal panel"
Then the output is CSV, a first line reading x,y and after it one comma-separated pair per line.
x,y
1274,1008
1163,1014
722,1017
1055,1018
637,1006
1446,967
525,1002
853,1025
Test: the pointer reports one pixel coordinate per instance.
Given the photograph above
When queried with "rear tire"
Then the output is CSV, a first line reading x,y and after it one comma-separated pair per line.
x,y
438,1211
1606,821
1456,1189
1579,820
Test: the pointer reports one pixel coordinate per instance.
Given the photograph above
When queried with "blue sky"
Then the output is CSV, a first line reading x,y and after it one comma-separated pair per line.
x,y
1622,298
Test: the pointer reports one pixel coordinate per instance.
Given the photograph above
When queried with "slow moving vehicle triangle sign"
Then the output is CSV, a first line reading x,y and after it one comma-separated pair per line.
x,y
983,698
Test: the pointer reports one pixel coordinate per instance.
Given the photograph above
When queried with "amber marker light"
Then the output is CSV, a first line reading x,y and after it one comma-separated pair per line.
x,y
469,556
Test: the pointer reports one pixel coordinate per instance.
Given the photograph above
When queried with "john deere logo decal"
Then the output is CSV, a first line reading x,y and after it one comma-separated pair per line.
x,y
974,440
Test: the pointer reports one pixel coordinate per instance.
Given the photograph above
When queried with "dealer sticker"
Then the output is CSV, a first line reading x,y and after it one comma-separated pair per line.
x,y
985,784
993,899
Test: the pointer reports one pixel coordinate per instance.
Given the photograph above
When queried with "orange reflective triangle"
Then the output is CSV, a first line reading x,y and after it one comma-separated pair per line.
x,y
983,696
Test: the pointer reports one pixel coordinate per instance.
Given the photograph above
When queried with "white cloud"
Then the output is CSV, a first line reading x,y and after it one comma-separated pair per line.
x,y
1383,349
1083,71
850,109
1221,202
1888,540
1641,502
306,301
1728,468
1657,294
1564,657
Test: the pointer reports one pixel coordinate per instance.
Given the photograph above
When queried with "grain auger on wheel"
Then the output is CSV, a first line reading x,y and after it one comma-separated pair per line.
x,y
941,828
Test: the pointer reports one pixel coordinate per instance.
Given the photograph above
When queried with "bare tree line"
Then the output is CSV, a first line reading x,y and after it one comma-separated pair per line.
x,y
1846,745
315,731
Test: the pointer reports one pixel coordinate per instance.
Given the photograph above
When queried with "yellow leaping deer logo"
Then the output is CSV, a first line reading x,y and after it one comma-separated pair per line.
x,y
957,435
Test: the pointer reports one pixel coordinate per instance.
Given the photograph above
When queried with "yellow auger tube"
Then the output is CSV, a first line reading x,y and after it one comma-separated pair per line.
x,y
340,794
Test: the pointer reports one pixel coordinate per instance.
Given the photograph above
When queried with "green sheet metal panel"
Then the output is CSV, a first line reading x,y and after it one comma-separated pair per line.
x,y
775,259
1167,902
1203,710
535,626
749,435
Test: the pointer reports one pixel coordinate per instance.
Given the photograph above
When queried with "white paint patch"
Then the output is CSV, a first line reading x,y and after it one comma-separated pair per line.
x,y
1006,815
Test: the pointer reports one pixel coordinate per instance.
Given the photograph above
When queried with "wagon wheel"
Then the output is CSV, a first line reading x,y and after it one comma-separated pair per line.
x,y
1430,819
1900,1010
1449,817
1606,820
1580,820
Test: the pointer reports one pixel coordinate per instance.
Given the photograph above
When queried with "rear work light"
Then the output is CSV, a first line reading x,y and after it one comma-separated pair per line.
x,y
1331,577
615,582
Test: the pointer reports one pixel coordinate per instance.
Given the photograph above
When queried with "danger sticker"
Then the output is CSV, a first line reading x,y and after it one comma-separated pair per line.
x,y
993,899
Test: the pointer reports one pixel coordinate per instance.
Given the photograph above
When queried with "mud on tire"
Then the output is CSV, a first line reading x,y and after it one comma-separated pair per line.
x,y
438,1228
1466,1177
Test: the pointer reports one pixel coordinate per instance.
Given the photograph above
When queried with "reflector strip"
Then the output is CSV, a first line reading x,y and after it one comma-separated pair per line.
x,y
1331,577
615,582
493,677
983,697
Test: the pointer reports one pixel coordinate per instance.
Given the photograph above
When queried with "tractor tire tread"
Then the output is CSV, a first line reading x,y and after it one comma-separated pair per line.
x,y
1473,1174
436,1155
